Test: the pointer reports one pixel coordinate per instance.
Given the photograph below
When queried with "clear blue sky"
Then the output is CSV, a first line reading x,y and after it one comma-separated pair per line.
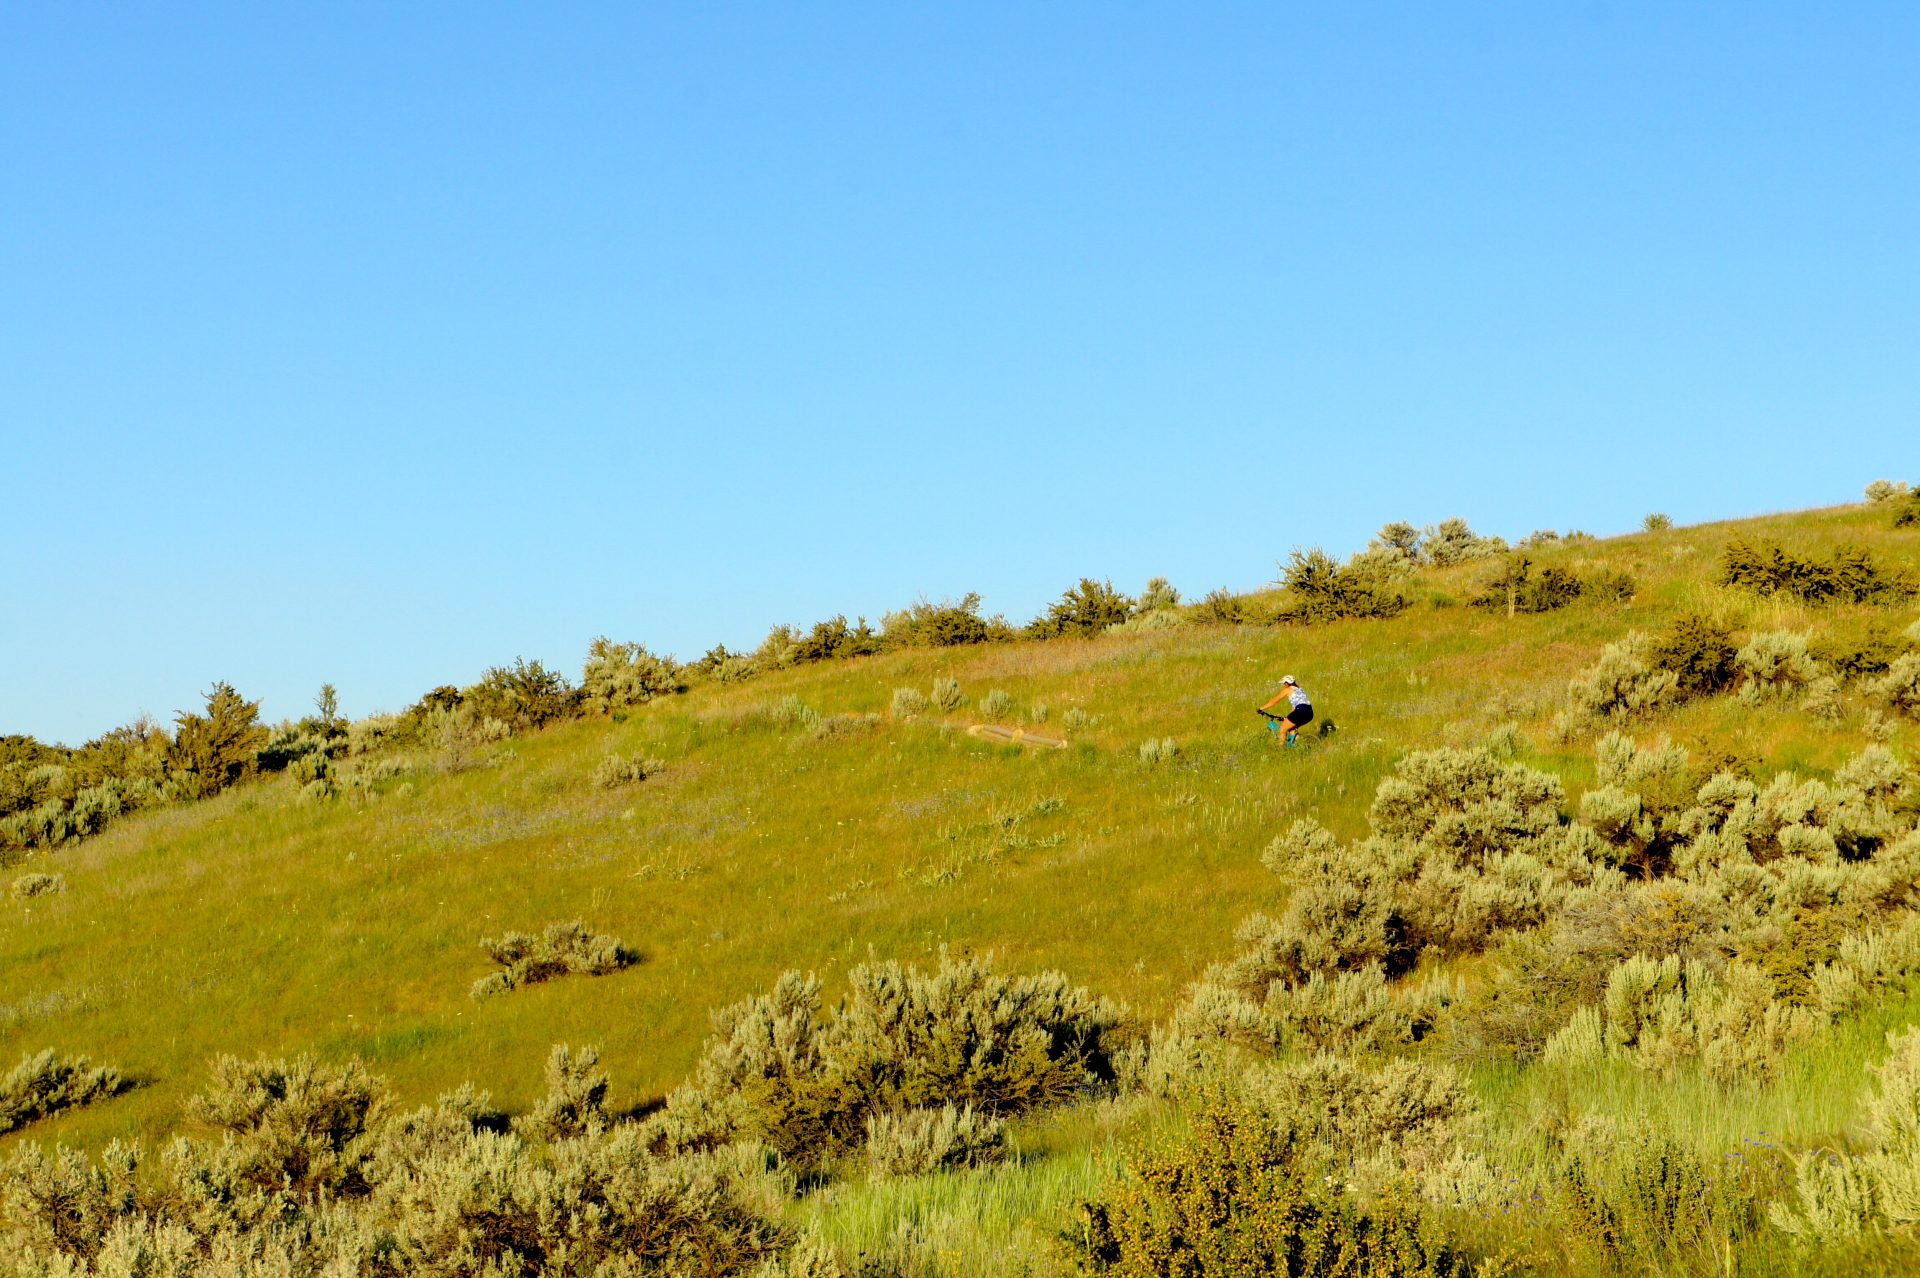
x,y
377,344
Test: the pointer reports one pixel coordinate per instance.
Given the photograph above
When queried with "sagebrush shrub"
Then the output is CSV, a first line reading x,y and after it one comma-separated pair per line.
x,y
946,694
1453,542
291,1130
560,949
1775,663
997,704
1158,595
1886,490
1401,1114
619,675
916,1142
791,712
1656,523
28,886
43,1084
576,1101
780,1070
1075,719
1519,588
616,770
908,702
1899,688
1158,750
1623,684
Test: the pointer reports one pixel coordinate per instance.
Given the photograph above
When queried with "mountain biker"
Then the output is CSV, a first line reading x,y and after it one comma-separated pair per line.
x,y
1300,707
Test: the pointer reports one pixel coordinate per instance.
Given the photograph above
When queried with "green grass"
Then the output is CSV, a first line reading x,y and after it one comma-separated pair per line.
x,y
252,923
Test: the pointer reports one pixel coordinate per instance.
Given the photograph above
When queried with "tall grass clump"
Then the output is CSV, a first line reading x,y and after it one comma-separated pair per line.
x,y
561,949
44,1084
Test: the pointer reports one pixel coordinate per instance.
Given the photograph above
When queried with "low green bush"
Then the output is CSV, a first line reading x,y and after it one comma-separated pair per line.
x,y
1699,652
908,702
1243,1194
1223,607
1318,589
946,695
1849,575
997,704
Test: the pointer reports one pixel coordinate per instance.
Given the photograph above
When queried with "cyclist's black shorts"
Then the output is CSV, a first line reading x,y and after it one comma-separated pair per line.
x,y
1300,716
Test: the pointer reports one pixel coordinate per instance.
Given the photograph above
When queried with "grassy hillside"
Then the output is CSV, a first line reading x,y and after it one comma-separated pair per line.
x,y
257,923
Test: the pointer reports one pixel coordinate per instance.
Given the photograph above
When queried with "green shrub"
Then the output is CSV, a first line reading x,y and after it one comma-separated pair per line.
x,y
1321,590
1075,719
1086,609
1223,607
1849,575
28,886
619,675
213,751
908,702
916,1142
997,704
1519,588
1698,651
45,1084
1882,490
1651,1203
1243,1195
1401,1115
561,949
946,695
946,624
835,640
616,770
1907,513
527,696
1656,523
